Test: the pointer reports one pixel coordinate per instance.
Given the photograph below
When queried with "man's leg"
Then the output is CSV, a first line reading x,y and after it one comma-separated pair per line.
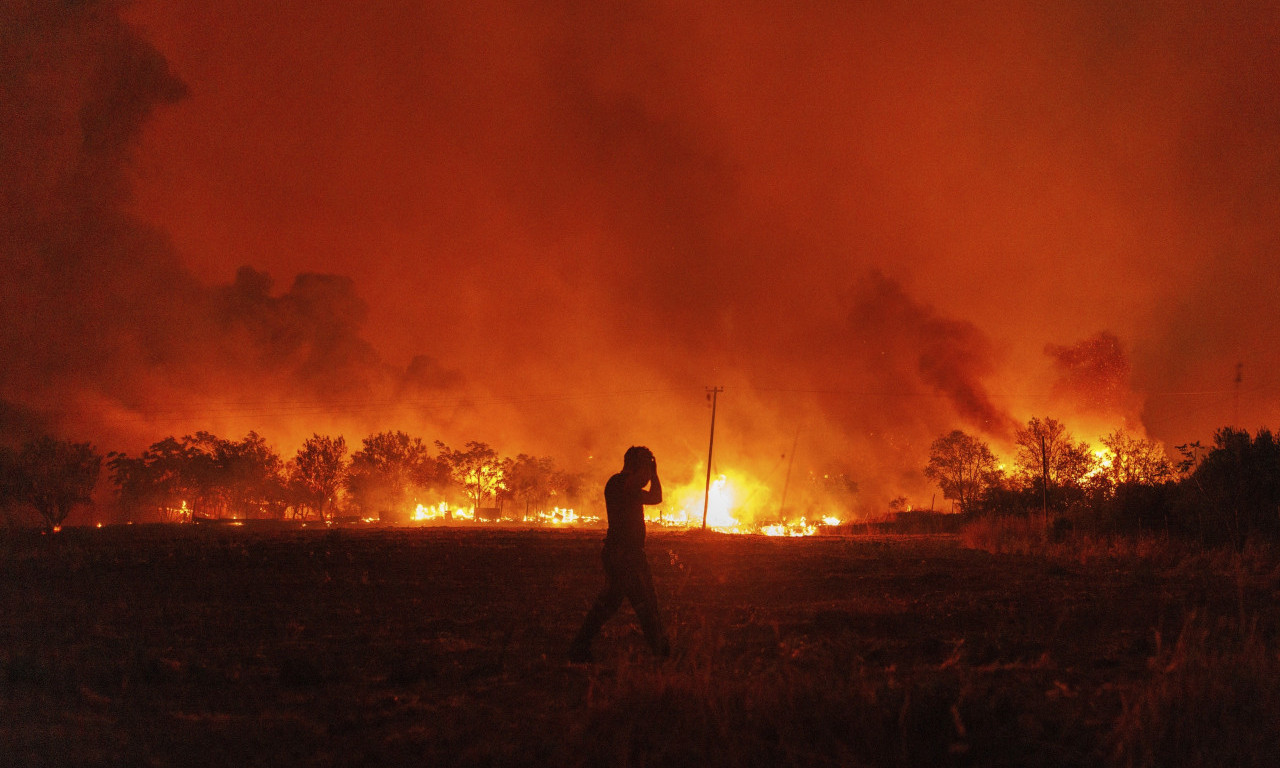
x,y
644,600
606,604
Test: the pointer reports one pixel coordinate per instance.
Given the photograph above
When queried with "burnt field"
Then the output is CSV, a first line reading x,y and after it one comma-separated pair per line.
x,y
187,646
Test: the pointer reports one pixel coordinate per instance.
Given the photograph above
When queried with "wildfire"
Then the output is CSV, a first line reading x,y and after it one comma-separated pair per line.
x,y
446,512
181,514
558,516
782,529
719,500
728,503
735,503
442,512
1103,459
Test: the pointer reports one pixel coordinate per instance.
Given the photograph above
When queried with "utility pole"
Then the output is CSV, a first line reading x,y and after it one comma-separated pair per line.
x,y
782,508
706,495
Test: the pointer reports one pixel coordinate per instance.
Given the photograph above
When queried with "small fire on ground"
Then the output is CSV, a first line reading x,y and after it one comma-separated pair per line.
x,y
726,502
447,513
728,509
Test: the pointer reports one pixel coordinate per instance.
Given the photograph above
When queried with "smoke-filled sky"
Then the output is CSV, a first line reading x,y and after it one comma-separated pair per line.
x,y
548,226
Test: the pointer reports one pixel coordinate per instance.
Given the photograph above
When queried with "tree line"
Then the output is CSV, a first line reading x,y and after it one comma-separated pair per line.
x,y
203,476
1222,493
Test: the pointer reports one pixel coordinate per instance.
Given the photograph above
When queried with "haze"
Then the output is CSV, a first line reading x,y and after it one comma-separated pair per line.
x,y
550,227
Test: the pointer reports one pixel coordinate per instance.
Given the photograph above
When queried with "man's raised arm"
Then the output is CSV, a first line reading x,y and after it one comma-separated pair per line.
x,y
654,494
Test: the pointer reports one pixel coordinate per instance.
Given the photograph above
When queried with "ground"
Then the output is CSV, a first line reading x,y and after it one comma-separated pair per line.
x,y
198,645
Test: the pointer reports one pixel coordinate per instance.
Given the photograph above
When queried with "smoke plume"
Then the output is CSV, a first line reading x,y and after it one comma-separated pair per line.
x,y
550,226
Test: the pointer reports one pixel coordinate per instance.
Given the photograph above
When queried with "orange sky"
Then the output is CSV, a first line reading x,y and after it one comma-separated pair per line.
x,y
865,221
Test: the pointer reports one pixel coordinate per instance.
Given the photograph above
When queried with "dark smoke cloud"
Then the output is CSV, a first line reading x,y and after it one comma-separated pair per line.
x,y
912,347
105,332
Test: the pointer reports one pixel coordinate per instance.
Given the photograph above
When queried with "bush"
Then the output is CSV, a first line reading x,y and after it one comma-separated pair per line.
x,y
1213,699
1133,509
1234,493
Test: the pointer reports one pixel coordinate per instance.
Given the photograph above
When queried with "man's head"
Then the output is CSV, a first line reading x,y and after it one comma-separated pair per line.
x,y
636,458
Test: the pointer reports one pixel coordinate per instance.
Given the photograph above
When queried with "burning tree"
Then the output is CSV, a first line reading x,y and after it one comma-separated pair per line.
x,y
384,472
962,466
477,469
1132,459
317,473
1048,454
54,476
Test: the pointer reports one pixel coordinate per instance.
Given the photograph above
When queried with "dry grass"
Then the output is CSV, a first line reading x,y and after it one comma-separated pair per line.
x,y
1032,535
1213,699
446,647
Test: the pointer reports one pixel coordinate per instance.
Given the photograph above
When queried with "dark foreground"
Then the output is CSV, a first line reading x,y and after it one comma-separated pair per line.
x,y
189,646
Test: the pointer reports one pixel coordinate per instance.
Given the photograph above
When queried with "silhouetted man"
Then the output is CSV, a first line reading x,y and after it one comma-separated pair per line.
x,y
626,569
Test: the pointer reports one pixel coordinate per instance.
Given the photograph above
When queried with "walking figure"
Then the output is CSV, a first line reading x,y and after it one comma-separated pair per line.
x,y
626,569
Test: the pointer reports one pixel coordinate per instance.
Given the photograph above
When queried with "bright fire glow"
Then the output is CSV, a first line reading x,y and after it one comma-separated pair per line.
x,y
736,503
442,512
558,516
1103,458
733,502
182,514
720,502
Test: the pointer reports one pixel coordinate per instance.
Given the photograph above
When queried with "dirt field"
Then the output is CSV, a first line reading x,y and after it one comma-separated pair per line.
x,y
189,646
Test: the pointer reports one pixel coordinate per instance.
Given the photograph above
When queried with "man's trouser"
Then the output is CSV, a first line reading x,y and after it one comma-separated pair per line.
x,y
626,575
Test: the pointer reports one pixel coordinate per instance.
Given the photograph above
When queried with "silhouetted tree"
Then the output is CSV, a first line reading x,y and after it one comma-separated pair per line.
x,y
1235,490
963,467
250,476
389,467
161,480
1047,445
477,470
528,480
317,474
1134,460
566,488
202,475
1190,456
54,476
